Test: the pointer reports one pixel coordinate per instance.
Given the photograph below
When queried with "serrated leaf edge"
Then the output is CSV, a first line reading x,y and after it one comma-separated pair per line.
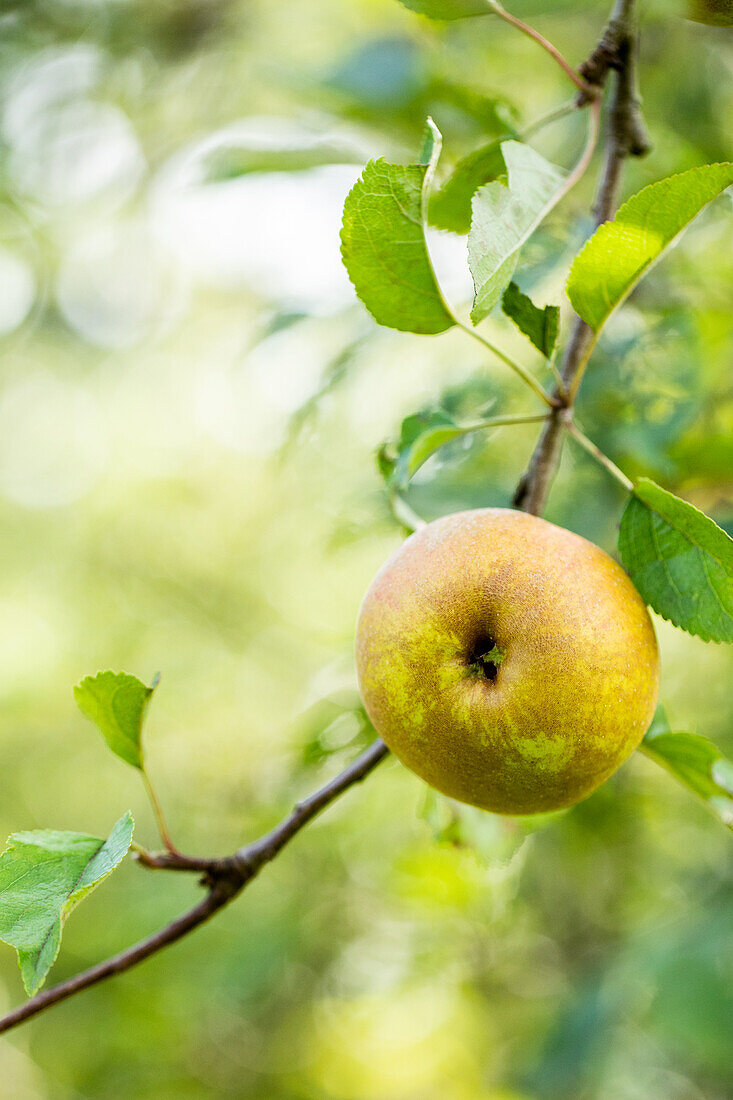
x,y
345,253
706,636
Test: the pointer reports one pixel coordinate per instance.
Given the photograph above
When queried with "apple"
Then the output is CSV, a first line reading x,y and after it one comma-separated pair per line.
x,y
716,13
509,663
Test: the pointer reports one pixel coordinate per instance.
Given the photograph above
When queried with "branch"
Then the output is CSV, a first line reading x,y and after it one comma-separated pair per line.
x,y
625,136
250,858
224,879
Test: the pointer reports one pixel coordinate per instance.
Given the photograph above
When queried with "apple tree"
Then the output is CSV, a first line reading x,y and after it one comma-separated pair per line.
x,y
676,560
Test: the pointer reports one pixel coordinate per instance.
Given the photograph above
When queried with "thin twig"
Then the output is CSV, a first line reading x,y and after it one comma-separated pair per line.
x,y
599,456
252,856
565,109
158,814
225,879
552,50
586,156
518,369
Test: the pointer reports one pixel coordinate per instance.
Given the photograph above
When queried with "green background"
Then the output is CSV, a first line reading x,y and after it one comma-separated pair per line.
x,y
190,401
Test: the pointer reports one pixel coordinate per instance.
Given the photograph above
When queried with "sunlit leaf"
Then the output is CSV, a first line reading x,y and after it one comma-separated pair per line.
x,y
43,876
504,216
384,251
116,702
621,251
540,325
680,560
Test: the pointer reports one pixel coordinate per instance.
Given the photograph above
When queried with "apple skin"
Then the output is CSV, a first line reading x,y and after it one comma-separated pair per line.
x,y
577,684
716,13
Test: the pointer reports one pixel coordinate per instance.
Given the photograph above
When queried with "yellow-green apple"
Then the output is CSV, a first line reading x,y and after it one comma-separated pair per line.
x,y
716,13
511,664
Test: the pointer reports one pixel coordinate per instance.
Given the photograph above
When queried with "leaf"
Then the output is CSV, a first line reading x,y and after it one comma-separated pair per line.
x,y
540,325
504,216
421,435
384,251
450,205
680,560
43,876
448,9
697,763
116,702
621,251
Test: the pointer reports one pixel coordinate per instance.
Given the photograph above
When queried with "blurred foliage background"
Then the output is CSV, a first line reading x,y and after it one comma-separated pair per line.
x,y
190,402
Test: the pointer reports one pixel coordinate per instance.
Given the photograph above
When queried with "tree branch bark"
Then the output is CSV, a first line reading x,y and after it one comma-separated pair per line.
x,y
625,136
224,879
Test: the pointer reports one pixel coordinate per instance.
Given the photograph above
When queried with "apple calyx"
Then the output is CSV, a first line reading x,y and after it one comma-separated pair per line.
x,y
486,658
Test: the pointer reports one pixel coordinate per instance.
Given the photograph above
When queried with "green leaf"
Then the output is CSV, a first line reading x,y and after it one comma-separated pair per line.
x,y
697,763
621,251
421,435
448,9
116,702
504,216
450,205
680,560
43,876
384,251
540,325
